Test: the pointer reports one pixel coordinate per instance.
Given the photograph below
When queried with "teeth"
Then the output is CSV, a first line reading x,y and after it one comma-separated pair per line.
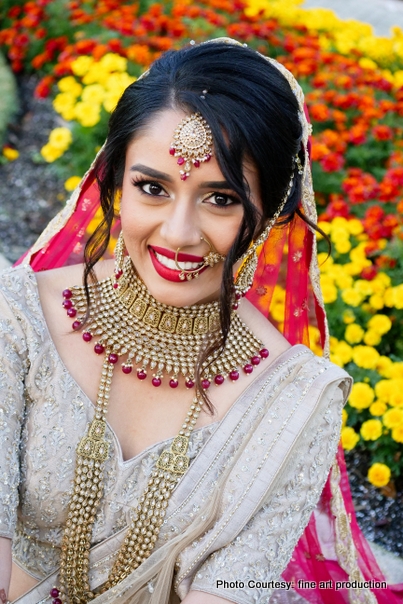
x,y
169,263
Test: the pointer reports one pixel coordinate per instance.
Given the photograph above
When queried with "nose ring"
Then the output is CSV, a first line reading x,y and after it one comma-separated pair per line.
x,y
210,259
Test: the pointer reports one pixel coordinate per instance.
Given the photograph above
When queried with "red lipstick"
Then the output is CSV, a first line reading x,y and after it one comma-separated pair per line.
x,y
168,273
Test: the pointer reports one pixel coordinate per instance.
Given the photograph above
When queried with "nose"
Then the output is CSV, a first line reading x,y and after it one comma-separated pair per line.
x,y
181,227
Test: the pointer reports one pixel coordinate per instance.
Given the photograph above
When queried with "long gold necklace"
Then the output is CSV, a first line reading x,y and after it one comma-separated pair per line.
x,y
126,320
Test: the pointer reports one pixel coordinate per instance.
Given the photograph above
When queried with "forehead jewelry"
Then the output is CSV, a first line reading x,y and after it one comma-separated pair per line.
x,y
210,259
192,143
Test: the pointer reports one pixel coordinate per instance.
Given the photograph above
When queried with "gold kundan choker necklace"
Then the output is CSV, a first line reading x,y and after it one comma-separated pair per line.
x,y
127,321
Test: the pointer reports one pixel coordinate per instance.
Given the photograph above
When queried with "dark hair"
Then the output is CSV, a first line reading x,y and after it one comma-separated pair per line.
x,y
253,115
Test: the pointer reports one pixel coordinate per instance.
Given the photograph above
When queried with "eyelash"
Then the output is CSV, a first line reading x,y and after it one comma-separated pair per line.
x,y
140,182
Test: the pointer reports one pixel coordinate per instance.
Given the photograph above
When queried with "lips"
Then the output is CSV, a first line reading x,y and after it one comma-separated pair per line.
x,y
159,255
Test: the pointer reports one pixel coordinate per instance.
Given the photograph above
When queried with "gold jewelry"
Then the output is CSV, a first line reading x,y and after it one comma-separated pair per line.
x,y
128,322
192,144
246,273
142,534
210,259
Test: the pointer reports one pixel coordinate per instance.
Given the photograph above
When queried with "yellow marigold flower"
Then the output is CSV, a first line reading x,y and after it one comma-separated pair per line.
x,y
113,62
355,268
10,154
339,222
344,417
96,74
379,474
70,86
72,182
334,358
325,226
384,390
396,399
383,278
325,261
344,281
363,286
355,226
393,418
94,93
338,233
372,338
349,438
118,82
398,296
397,434
344,351
352,296
376,302
111,100
60,138
348,316
87,114
51,153
354,333
389,297
396,371
383,366
63,104
343,246
329,292
380,323
362,396
377,408
366,357
371,429
81,65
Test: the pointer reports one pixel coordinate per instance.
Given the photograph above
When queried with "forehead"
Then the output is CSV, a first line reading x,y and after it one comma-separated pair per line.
x,y
152,144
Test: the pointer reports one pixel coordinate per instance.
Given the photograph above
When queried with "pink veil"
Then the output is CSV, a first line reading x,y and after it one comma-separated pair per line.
x,y
332,547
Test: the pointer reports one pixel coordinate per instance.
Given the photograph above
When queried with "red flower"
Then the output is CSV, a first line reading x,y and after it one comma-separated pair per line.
x,y
369,273
382,133
332,162
44,87
319,112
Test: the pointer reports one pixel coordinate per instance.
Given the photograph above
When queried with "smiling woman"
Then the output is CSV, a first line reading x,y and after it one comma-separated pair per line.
x,y
138,480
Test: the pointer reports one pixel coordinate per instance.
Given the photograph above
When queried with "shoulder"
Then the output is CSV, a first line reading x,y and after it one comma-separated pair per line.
x,y
271,338
52,283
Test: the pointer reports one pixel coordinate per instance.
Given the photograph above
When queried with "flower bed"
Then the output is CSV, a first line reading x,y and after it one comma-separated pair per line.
x,y
87,53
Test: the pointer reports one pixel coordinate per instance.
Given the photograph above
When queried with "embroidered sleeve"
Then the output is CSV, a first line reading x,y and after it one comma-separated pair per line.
x,y
242,571
12,371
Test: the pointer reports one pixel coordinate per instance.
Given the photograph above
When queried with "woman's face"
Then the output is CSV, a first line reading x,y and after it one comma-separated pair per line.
x,y
161,213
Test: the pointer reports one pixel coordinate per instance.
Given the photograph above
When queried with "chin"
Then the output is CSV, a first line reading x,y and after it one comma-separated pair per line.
x,y
184,293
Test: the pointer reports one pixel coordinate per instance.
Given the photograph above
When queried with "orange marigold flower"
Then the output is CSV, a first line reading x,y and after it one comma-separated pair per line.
x,y
319,112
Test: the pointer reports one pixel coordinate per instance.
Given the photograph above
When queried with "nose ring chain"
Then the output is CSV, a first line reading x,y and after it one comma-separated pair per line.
x,y
210,259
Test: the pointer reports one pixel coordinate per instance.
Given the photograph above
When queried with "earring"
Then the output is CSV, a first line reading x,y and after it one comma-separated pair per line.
x,y
244,279
120,250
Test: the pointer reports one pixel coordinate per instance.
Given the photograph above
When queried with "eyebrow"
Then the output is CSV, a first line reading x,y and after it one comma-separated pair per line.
x,y
212,184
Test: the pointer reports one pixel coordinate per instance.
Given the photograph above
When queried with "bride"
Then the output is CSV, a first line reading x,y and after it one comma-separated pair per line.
x,y
164,441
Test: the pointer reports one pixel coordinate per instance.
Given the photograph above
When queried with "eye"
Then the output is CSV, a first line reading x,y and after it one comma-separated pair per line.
x,y
149,187
221,200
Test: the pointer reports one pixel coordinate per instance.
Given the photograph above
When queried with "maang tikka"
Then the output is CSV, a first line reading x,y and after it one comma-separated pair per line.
x,y
192,143
244,279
